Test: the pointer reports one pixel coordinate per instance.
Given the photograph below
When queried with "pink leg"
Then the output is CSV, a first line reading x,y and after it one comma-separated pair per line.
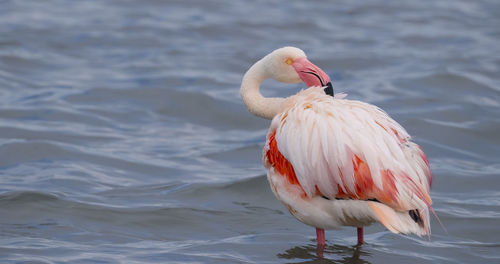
x,y
360,236
320,236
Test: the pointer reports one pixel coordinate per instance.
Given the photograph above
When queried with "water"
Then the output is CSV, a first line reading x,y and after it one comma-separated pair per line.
x,y
123,137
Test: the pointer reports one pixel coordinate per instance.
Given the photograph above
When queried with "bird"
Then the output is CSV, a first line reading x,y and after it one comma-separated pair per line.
x,y
336,162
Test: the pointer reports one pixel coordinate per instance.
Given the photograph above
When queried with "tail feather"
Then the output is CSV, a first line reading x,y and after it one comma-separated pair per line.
x,y
405,222
439,220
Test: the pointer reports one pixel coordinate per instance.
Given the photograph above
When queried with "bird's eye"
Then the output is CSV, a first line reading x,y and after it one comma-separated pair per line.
x,y
289,61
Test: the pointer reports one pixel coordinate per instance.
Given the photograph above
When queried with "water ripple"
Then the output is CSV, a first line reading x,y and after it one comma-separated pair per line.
x,y
123,137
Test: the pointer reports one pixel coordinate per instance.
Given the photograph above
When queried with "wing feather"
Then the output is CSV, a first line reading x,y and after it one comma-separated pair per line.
x,y
350,149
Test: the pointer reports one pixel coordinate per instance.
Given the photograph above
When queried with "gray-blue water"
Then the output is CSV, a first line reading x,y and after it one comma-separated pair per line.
x,y
123,137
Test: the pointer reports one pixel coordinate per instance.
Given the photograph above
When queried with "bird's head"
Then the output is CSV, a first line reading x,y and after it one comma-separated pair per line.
x,y
290,65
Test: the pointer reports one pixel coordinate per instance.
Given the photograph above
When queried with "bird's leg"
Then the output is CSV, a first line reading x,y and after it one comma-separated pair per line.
x,y
360,236
320,236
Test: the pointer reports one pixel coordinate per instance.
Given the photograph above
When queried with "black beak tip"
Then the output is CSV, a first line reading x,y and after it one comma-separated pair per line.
x,y
329,89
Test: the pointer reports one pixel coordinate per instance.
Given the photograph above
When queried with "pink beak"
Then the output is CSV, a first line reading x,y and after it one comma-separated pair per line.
x,y
310,74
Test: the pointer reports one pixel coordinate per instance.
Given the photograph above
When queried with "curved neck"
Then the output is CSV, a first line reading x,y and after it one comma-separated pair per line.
x,y
266,107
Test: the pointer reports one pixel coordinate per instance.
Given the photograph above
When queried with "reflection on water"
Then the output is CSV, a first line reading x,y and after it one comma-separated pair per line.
x,y
123,137
326,254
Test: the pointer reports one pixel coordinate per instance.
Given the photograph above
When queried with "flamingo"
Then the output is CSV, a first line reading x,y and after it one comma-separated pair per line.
x,y
336,162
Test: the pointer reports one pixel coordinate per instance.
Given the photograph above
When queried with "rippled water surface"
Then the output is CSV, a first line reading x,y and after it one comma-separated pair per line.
x,y
123,137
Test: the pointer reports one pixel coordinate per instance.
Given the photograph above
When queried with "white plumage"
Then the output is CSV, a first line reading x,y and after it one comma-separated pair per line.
x,y
321,136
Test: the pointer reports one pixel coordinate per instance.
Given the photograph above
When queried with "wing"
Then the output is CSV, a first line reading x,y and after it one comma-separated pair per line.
x,y
347,149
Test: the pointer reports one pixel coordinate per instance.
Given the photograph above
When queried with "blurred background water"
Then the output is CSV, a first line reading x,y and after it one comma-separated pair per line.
x,y
123,137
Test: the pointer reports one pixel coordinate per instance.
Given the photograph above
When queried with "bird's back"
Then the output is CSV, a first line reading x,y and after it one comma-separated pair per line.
x,y
346,149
